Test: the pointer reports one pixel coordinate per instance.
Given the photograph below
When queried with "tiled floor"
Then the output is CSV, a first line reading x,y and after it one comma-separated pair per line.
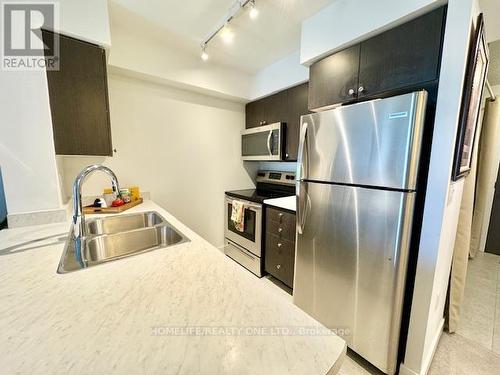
x,y
480,315
459,353
455,355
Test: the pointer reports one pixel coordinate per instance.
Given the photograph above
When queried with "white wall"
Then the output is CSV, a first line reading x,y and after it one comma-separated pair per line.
x,y
26,146
182,147
284,73
345,22
443,199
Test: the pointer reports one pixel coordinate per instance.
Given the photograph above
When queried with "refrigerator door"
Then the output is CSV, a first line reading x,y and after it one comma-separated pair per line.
x,y
375,143
350,265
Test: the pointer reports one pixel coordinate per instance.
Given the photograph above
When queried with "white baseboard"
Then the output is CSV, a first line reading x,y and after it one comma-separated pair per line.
x,y
403,370
426,363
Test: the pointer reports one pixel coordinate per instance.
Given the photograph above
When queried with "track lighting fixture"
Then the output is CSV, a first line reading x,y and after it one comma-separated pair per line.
x,y
226,34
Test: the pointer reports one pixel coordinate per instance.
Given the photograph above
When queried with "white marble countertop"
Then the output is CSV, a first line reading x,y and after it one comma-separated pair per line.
x,y
147,314
288,203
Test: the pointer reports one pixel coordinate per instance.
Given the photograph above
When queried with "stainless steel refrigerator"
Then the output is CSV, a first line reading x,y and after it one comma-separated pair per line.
x,y
356,186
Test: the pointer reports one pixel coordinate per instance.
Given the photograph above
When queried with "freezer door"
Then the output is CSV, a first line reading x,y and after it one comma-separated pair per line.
x,y
350,266
375,143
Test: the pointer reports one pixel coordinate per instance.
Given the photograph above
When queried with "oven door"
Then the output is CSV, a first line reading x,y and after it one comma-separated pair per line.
x,y
263,142
251,237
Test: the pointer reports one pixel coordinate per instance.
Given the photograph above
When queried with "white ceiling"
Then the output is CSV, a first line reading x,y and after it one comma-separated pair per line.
x,y
257,43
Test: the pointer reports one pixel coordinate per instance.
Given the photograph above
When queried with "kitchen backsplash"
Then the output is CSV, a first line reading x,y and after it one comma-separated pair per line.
x,y
278,166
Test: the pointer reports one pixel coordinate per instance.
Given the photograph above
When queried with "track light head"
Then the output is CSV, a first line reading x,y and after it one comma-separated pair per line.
x,y
227,34
254,12
204,54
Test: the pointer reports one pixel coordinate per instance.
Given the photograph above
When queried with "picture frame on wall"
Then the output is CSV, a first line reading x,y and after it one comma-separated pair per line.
x,y
477,67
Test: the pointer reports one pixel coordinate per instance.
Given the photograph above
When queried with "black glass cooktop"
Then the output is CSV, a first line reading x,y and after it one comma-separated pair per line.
x,y
258,196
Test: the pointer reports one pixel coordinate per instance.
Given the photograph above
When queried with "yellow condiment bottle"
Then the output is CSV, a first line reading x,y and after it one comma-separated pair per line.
x,y
135,193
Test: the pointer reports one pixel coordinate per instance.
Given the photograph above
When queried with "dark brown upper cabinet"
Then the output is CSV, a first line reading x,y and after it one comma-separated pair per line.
x,y
79,104
407,56
334,79
297,99
267,110
285,106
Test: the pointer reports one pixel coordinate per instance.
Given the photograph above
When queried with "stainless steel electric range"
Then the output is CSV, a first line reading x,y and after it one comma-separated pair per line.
x,y
245,247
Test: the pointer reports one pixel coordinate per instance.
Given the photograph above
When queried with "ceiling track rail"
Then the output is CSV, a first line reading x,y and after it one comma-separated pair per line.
x,y
237,6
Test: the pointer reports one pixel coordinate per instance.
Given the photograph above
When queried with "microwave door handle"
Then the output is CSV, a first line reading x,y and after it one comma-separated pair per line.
x,y
269,146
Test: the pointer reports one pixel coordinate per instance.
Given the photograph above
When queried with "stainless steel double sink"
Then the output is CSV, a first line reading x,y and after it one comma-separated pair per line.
x,y
116,237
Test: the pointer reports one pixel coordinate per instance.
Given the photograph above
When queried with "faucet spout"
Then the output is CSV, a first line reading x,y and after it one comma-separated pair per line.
x,y
78,216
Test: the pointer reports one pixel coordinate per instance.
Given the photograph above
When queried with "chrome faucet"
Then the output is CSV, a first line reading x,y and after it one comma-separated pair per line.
x,y
78,216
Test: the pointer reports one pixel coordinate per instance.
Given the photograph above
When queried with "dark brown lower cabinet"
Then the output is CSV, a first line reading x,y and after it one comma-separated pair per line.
x,y
280,244
78,94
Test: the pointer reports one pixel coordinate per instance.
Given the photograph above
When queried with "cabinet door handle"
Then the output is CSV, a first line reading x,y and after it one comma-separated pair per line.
x,y
280,230
351,92
361,89
280,244
278,266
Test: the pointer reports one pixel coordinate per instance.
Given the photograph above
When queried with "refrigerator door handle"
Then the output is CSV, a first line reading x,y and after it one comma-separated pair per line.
x,y
301,188
302,164
302,201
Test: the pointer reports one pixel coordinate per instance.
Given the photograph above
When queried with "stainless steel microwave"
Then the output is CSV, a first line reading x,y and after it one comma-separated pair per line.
x,y
263,142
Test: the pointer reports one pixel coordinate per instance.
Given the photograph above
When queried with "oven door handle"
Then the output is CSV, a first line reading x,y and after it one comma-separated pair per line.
x,y
269,146
255,207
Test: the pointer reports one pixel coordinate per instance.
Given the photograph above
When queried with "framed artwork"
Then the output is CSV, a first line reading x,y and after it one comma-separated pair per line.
x,y
477,67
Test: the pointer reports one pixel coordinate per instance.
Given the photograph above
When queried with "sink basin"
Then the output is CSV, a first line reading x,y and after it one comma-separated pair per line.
x,y
117,224
116,237
118,245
